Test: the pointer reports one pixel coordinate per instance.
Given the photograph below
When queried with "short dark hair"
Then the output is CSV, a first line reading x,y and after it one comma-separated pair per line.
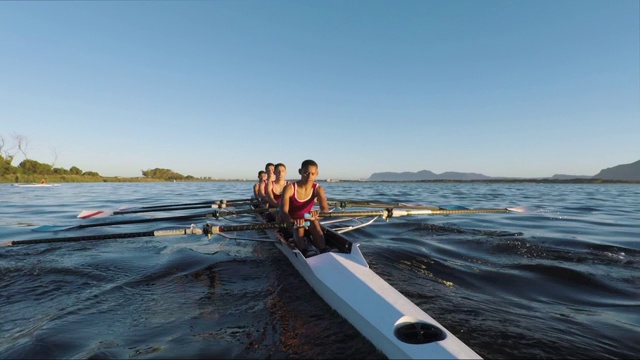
x,y
261,172
280,164
308,163
268,164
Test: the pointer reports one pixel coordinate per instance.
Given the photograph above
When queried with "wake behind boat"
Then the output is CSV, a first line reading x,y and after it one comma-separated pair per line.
x,y
394,324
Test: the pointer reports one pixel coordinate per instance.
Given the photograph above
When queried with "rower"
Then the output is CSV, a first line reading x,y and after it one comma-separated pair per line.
x,y
297,200
275,187
262,189
262,176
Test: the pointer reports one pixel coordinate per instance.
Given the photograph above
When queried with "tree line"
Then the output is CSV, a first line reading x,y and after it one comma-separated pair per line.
x,y
28,166
165,174
29,169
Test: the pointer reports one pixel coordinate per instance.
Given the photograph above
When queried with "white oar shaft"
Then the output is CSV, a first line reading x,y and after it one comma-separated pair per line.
x,y
389,213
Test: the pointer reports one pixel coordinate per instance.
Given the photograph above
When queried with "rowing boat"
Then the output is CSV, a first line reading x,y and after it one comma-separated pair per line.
x,y
36,185
394,324
342,277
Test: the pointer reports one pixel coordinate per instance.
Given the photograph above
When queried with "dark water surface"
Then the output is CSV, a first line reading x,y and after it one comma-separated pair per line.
x,y
561,281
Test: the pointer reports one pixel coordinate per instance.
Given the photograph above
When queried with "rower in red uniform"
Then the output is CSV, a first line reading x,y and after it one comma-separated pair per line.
x,y
275,187
262,189
297,200
262,176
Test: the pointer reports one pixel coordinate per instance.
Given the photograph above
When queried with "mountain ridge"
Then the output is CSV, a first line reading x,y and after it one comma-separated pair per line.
x,y
623,172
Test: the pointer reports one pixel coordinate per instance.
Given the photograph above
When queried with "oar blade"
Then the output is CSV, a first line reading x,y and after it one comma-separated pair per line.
x,y
94,214
127,221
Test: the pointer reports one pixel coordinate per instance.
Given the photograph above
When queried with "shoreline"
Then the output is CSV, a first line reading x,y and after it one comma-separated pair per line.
x,y
80,179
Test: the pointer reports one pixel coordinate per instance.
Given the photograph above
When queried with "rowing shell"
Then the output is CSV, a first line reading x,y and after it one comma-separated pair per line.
x,y
394,324
36,185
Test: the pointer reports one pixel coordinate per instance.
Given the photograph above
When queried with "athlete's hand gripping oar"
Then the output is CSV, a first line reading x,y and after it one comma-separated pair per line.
x,y
219,204
212,214
391,212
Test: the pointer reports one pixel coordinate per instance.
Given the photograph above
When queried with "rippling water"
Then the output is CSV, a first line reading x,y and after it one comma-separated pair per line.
x,y
559,281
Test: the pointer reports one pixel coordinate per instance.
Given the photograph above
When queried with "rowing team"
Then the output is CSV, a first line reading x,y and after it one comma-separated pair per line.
x,y
292,200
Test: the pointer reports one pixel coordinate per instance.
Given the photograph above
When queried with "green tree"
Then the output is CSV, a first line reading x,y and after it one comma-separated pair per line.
x,y
75,170
5,166
162,174
6,160
34,167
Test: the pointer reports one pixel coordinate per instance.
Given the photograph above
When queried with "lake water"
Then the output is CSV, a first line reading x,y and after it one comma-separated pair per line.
x,y
559,281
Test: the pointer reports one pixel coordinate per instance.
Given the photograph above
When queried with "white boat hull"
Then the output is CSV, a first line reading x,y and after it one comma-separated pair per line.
x,y
36,185
375,308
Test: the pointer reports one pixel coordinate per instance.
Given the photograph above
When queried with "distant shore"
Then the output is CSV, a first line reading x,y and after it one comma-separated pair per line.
x,y
93,179
498,181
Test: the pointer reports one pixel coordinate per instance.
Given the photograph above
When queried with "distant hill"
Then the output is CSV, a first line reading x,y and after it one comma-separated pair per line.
x,y
626,172
567,177
426,175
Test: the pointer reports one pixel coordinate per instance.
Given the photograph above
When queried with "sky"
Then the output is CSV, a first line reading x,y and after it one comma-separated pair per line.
x,y
515,88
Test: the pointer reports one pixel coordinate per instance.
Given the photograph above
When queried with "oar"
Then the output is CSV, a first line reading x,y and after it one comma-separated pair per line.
x,y
87,214
212,214
207,229
362,203
222,201
187,231
95,214
210,230
391,212
221,204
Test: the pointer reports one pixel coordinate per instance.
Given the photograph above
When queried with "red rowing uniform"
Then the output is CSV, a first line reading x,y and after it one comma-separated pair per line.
x,y
297,208
263,183
277,197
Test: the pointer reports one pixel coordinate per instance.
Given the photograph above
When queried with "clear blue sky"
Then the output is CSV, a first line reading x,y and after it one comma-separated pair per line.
x,y
218,88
